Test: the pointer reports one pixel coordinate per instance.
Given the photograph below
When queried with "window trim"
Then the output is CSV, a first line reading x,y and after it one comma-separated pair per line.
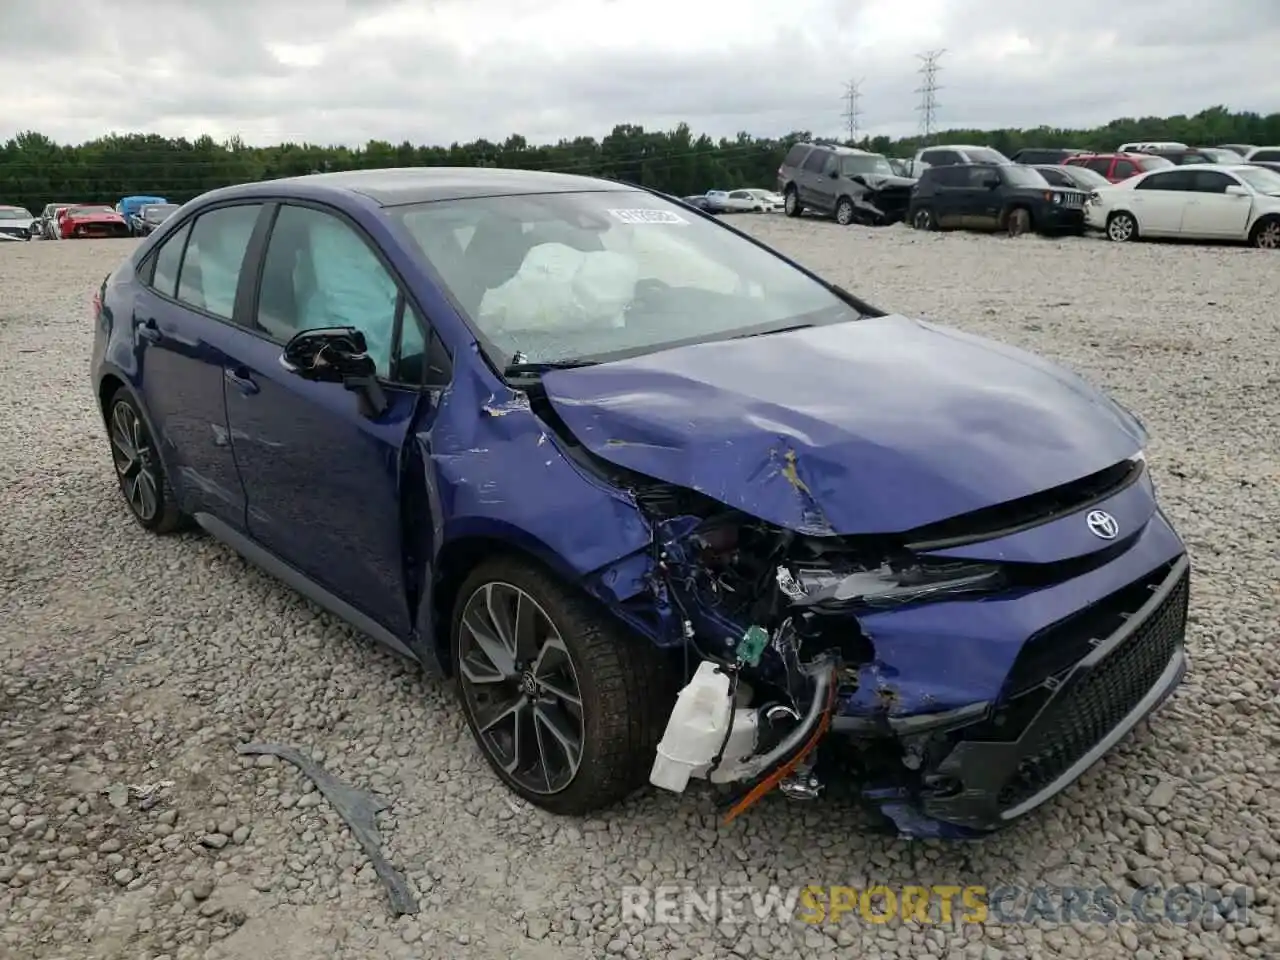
x,y
253,293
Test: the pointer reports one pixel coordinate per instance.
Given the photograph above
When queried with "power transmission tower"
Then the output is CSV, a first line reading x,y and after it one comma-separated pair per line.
x,y
852,110
928,91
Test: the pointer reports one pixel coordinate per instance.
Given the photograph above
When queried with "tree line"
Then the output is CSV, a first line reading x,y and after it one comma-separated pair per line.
x,y
34,170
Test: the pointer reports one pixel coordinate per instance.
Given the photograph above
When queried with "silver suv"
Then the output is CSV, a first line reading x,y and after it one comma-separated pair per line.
x,y
853,186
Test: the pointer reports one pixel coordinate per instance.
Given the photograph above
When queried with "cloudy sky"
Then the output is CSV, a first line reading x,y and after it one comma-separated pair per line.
x,y
435,71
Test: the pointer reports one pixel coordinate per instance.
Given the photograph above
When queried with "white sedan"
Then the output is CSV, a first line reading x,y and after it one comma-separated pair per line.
x,y
1201,202
736,201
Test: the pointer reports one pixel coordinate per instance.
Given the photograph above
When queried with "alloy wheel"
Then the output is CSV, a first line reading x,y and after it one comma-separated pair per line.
x,y
1268,237
1121,228
521,688
135,462
923,220
844,213
790,202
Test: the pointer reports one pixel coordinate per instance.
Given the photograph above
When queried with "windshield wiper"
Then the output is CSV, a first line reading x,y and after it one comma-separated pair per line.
x,y
526,368
769,333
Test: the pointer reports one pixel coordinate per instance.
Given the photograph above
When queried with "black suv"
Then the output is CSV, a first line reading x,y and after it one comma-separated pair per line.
x,y
1033,156
985,196
852,185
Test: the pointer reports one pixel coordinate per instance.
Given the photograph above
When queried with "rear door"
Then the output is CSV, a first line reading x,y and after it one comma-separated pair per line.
x,y
954,197
1212,213
184,326
322,479
1158,201
809,177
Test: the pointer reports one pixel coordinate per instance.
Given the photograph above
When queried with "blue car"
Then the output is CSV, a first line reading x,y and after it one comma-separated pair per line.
x,y
663,503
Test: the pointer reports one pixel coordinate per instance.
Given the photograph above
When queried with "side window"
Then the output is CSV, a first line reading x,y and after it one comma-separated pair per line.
x,y
1100,165
815,160
1055,177
830,164
1210,181
740,195
319,272
167,261
215,252
976,177
795,155
1269,156
1125,169
949,176
1169,180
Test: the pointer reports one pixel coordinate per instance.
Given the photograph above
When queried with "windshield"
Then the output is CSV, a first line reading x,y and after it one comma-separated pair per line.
x,y
158,213
871,163
1084,177
1152,162
1260,178
554,278
14,213
1023,176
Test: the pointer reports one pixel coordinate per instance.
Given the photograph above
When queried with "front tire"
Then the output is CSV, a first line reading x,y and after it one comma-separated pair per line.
x,y
1018,221
791,204
1266,234
566,706
923,219
844,212
139,471
1122,228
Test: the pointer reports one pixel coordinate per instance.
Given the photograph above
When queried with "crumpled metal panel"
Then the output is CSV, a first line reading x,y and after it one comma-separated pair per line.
x,y
875,426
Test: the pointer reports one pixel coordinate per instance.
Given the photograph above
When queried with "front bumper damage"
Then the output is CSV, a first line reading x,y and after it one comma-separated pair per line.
x,y
958,708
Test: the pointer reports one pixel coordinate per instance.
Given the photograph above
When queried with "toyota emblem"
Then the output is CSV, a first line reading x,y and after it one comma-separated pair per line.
x,y
1102,524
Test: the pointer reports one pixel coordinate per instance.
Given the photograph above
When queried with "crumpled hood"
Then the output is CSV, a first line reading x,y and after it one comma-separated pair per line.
x,y
877,181
871,426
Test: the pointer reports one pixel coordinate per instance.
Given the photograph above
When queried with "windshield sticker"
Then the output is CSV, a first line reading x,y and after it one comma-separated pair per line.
x,y
648,216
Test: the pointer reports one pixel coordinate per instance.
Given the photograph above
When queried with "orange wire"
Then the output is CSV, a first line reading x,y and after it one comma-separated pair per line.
x,y
771,781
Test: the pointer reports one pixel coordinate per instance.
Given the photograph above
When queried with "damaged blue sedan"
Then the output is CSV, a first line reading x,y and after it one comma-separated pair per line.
x,y
664,504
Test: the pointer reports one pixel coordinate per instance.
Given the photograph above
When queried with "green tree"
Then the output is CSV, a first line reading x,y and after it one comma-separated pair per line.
x,y
34,170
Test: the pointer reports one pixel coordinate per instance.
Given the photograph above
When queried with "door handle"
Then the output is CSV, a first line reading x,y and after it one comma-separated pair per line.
x,y
240,377
149,330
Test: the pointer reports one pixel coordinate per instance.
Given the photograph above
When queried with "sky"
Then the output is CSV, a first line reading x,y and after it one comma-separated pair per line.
x,y
439,71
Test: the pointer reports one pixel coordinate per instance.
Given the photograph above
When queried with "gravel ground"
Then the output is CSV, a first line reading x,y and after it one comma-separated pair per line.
x,y
130,666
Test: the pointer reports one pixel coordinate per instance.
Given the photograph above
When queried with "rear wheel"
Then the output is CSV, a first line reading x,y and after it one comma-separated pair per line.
x,y
1122,228
1266,234
566,706
844,212
138,468
791,203
922,219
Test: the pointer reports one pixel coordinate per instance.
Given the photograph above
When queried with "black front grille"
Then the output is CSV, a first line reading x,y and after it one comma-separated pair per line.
x,y
1043,507
1087,711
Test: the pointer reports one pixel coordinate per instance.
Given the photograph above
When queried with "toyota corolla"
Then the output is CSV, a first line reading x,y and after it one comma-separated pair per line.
x,y
663,503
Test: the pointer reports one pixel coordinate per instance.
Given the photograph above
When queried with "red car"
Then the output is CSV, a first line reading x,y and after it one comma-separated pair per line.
x,y
91,220
1118,166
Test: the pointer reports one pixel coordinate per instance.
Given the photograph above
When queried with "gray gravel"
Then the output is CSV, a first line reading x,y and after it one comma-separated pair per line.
x,y
130,666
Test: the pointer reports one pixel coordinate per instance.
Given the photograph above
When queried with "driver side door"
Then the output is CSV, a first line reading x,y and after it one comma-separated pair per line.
x,y
322,477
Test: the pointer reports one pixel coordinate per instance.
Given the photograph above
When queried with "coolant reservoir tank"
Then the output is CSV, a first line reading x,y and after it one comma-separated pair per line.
x,y
695,729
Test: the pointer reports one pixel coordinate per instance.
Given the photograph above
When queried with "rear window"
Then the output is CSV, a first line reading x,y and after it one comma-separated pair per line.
x,y
795,155
1154,163
815,160
985,155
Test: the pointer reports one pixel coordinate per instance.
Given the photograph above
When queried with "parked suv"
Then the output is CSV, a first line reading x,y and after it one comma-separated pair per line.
x,y
1034,156
994,196
852,185
946,154
1119,166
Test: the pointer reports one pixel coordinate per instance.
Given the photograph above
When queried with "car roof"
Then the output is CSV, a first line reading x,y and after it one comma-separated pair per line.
x,y
395,186
1211,167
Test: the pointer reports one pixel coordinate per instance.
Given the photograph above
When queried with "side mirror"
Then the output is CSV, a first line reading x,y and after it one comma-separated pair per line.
x,y
859,178
1235,190
337,355
834,174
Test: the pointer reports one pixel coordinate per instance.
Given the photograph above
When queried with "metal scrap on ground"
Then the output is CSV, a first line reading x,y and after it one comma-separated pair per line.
x,y
358,808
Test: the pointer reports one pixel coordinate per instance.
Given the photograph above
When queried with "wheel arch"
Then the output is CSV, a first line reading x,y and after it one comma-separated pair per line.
x,y
1263,221
458,558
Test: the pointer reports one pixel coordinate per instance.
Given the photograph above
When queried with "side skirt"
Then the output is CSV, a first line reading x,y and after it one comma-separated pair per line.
x,y
300,582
